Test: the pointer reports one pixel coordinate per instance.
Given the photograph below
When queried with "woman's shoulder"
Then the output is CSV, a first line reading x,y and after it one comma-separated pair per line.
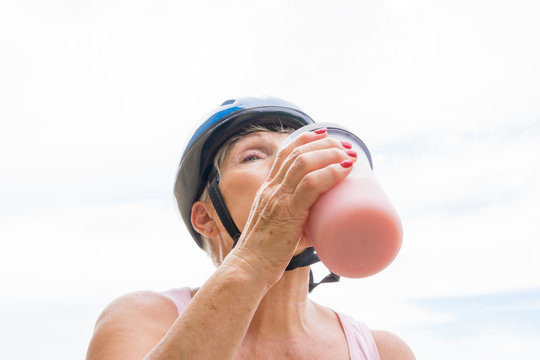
x,y
136,301
388,345
135,320
139,306
391,346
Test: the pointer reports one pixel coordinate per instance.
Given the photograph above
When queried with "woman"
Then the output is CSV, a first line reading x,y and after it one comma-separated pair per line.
x,y
233,175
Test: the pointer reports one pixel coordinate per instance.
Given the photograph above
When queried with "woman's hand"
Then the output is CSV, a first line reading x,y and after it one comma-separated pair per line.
x,y
302,171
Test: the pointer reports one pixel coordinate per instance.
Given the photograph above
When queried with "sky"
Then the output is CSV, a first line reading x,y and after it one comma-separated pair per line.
x,y
98,98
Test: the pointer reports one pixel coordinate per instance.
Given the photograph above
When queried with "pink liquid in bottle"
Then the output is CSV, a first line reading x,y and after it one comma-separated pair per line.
x,y
353,227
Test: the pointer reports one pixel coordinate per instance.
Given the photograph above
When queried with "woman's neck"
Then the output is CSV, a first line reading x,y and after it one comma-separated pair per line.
x,y
285,308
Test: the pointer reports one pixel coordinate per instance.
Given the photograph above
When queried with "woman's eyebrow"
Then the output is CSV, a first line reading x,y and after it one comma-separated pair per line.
x,y
245,143
248,141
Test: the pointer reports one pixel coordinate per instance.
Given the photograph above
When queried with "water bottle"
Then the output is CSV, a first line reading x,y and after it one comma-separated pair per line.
x,y
353,227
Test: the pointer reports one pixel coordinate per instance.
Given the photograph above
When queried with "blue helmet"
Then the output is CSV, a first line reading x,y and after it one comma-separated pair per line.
x,y
232,116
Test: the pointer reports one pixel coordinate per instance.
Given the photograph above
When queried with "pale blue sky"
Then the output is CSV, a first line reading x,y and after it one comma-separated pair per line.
x,y
97,99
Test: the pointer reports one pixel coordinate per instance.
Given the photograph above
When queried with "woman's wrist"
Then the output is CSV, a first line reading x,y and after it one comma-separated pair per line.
x,y
248,266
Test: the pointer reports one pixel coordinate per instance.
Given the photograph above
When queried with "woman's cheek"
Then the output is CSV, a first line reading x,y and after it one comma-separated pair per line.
x,y
239,194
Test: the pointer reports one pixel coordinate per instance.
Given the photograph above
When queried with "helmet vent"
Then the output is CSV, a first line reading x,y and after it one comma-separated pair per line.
x,y
228,102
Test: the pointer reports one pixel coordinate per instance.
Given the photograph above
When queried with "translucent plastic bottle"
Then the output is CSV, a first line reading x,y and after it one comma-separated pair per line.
x,y
353,227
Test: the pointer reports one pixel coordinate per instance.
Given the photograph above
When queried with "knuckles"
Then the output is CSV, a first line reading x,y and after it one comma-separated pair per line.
x,y
334,142
295,153
311,182
301,162
338,154
335,174
274,205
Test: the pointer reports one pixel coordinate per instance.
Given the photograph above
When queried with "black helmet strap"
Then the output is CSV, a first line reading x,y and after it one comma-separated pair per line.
x,y
221,208
305,258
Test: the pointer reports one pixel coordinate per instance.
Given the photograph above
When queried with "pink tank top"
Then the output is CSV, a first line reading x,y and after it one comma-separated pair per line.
x,y
359,339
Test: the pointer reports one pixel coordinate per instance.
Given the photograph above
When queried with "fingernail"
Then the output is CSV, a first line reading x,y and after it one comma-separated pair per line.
x,y
351,153
346,144
320,131
346,163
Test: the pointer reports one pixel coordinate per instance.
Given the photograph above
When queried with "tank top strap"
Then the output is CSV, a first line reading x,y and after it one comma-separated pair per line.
x,y
179,296
361,342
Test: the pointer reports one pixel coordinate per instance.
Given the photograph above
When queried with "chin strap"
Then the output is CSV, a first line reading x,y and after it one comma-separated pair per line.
x,y
221,208
330,278
305,258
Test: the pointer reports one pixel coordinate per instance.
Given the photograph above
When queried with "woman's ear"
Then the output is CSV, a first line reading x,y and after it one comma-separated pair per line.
x,y
202,219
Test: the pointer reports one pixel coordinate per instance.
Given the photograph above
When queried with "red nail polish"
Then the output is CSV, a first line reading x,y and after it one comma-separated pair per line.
x,y
320,131
346,163
346,144
351,153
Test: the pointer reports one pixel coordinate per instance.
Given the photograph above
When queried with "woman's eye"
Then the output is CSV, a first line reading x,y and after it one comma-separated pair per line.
x,y
251,157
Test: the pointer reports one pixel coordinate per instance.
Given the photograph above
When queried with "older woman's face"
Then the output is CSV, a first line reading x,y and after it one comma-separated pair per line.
x,y
245,168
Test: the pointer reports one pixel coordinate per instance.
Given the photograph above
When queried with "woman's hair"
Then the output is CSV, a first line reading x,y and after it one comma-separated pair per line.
x,y
218,162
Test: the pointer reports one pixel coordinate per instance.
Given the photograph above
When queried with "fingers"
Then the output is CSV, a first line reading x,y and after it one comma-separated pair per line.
x,y
283,154
296,158
311,161
317,182
311,166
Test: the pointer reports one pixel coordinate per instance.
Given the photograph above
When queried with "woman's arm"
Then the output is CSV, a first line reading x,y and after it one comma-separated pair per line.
x,y
215,322
212,326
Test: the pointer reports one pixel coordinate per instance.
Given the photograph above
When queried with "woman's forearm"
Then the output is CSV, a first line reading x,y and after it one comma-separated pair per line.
x,y
215,322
